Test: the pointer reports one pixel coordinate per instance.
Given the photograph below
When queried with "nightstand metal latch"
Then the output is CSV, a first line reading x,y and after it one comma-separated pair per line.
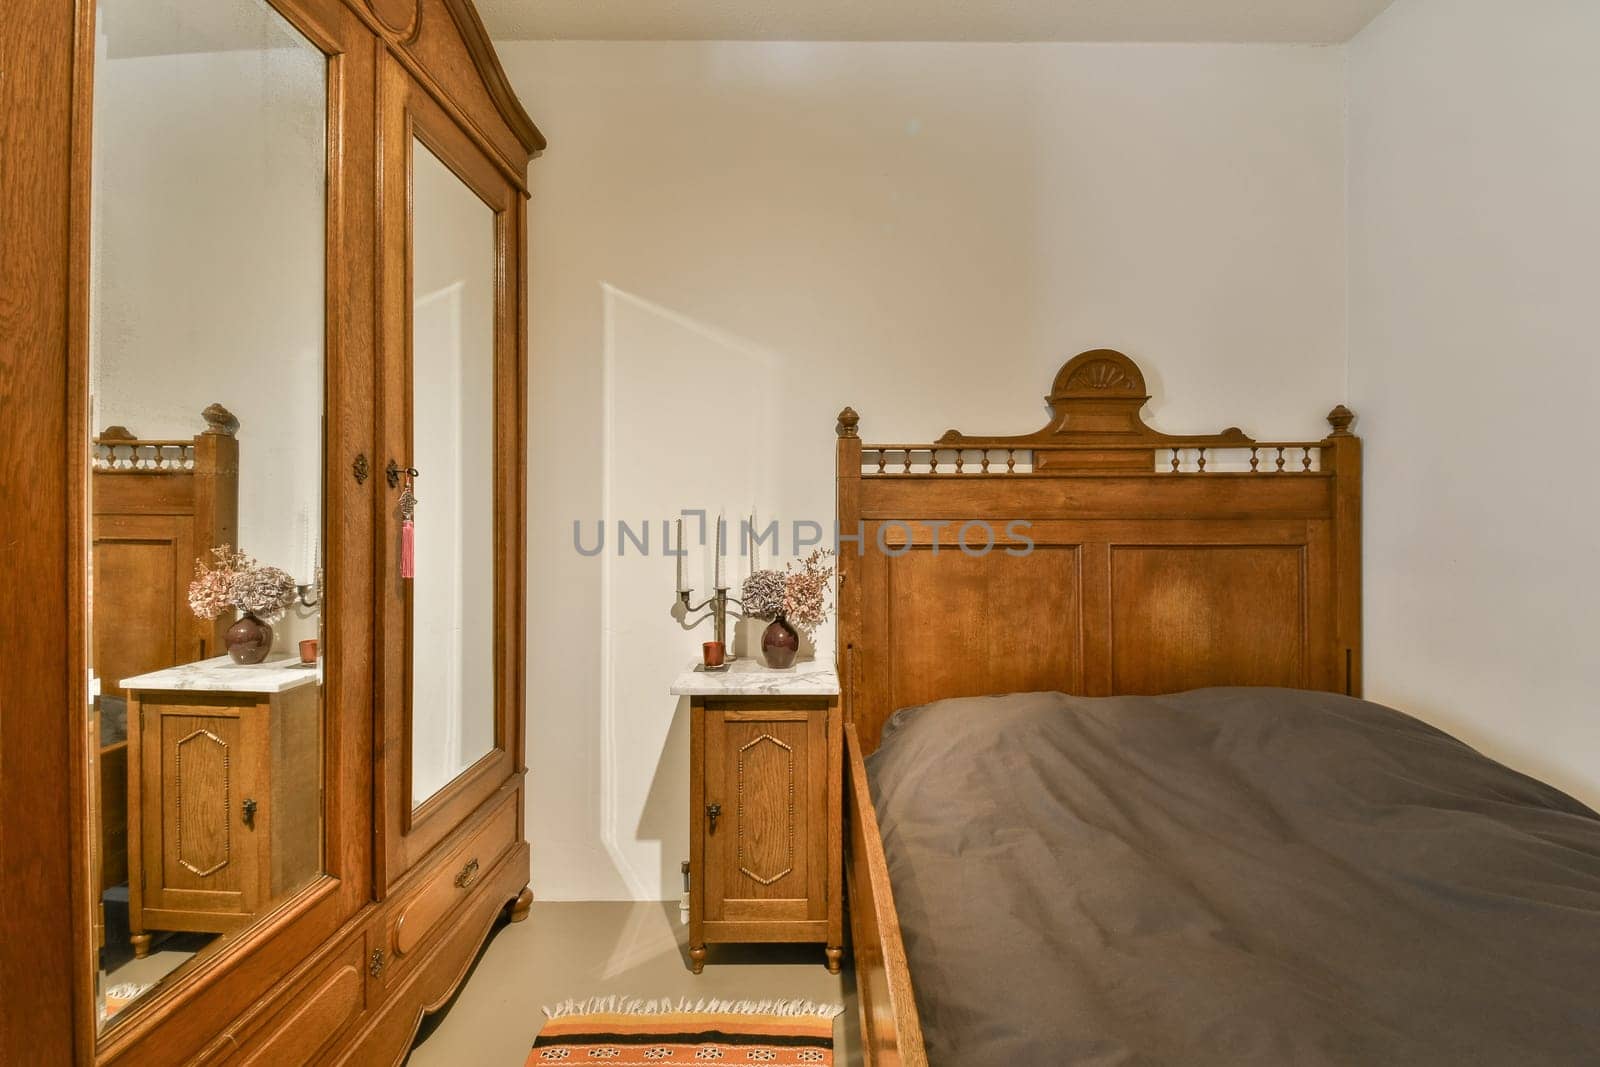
x,y
713,812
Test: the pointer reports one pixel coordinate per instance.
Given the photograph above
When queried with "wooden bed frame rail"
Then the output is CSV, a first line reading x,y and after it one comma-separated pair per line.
x,y
1097,556
891,1033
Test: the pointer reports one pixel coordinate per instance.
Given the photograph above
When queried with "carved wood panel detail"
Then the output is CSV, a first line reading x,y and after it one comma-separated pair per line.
x,y
1109,371
400,17
210,840
768,760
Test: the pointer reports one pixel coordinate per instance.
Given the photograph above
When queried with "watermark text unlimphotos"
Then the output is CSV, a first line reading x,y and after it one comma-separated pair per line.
x,y
894,537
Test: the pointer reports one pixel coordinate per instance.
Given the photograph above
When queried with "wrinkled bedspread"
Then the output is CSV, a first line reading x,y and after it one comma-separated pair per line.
x,y
1233,876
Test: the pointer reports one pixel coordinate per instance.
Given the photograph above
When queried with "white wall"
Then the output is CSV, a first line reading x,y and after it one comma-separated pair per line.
x,y
765,232
1474,171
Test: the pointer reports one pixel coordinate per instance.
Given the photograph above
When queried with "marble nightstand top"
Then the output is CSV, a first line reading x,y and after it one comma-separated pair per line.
x,y
278,674
749,677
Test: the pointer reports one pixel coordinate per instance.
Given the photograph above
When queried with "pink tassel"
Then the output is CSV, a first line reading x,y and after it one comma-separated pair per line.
x,y
408,549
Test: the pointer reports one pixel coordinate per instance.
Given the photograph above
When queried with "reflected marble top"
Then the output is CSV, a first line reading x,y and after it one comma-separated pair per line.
x,y
276,674
750,677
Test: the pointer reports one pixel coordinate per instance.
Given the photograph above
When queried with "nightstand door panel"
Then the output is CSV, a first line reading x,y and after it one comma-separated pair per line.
x,y
200,848
761,859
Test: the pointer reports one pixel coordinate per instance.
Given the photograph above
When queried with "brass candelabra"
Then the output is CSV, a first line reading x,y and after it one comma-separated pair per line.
x,y
718,603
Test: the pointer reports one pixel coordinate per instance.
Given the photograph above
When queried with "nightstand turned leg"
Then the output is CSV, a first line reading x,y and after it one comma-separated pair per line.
x,y
835,956
697,958
517,910
141,945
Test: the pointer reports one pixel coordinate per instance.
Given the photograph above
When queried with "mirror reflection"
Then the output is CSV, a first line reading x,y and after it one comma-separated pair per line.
x,y
452,430
206,385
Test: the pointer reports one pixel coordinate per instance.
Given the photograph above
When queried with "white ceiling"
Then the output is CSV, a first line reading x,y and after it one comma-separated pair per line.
x,y
1303,21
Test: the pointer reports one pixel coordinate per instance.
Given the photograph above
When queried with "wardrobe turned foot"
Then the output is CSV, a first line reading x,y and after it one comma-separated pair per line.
x,y
517,910
697,958
835,957
141,945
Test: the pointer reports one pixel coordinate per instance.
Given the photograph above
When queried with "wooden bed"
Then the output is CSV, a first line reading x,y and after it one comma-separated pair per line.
x,y
1124,561
159,505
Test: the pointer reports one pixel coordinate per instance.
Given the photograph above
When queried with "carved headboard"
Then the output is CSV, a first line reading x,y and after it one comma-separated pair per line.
x,y
158,506
1123,559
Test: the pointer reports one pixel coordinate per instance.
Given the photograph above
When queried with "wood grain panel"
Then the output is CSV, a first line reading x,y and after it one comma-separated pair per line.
x,y
43,971
758,851
136,620
293,813
766,822
200,800
307,1026
957,625
131,493
768,819
1095,496
1187,617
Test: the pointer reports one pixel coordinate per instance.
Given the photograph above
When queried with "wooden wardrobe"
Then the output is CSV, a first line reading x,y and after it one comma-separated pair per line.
x,y
417,864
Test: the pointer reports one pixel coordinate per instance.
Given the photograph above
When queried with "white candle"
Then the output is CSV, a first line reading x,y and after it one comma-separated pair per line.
x,y
722,521
307,553
683,586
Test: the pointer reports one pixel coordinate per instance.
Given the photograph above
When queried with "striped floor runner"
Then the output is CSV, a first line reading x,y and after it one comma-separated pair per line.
x,y
623,1032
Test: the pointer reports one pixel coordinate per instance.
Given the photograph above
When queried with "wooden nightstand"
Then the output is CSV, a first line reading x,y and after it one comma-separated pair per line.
x,y
765,818
224,793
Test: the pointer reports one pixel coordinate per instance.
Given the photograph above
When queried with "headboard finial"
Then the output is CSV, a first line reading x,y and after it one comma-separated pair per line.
x,y
1340,419
219,420
846,426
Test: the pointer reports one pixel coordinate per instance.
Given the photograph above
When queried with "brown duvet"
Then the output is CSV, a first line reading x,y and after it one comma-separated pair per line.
x,y
1233,876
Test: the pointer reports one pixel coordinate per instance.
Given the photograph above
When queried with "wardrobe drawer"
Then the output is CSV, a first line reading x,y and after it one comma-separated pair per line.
x,y
305,1019
454,878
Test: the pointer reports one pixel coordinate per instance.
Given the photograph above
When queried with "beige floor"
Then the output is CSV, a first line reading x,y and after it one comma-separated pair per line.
x,y
582,950
171,952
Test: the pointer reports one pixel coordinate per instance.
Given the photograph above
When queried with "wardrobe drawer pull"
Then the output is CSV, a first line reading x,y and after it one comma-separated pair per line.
x,y
468,874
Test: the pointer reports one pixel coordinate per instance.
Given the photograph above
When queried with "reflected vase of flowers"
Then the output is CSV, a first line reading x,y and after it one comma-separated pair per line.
x,y
259,593
249,639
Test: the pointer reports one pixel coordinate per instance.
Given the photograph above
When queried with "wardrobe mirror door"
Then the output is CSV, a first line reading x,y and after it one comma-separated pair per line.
x,y
206,352
454,259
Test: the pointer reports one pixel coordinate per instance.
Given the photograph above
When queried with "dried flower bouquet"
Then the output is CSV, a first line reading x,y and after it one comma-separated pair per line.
x,y
798,593
235,580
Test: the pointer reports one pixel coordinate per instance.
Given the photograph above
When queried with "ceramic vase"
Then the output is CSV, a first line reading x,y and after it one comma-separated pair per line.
x,y
779,643
249,640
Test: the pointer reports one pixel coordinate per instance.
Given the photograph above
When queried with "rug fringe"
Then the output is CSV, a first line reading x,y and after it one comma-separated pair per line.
x,y
619,1005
